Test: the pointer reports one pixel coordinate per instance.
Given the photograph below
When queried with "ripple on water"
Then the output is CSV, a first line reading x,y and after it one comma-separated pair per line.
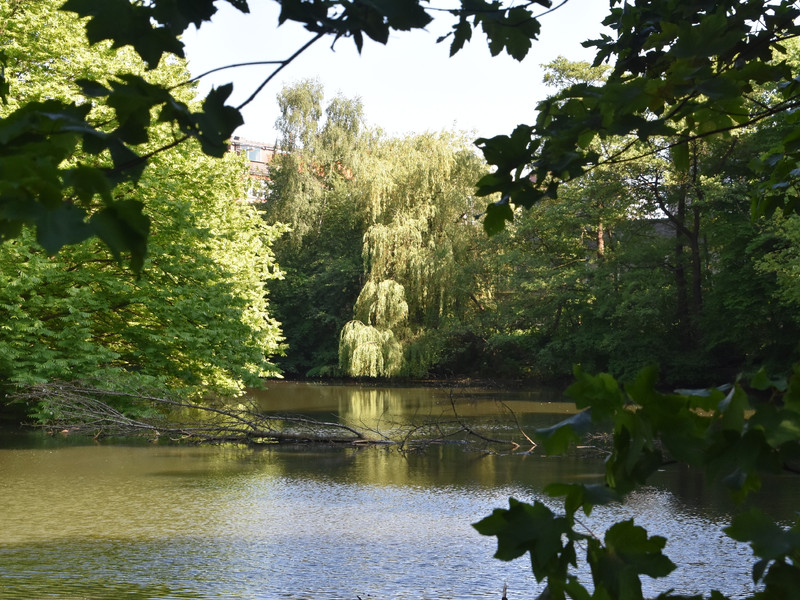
x,y
195,524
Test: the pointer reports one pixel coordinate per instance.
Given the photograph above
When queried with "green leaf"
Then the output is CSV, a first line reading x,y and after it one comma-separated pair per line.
x,y
402,15
124,228
585,497
531,528
56,228
628,553
497,213
177,15
511,30
634,458
462,33
92,88
600,392
680,157
217,122
641,552
791,396
768,540
508,153
87,182
782,581
133,97
557,438
240,5
126,23
492,183
779,426
10,228
762,381
733,409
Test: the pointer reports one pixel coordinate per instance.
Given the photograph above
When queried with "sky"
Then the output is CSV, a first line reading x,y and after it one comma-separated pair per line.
x,y
410,85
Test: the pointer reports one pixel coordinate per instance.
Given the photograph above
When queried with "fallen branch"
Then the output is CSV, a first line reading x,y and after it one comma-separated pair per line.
x,y
74,408
471,431
519,427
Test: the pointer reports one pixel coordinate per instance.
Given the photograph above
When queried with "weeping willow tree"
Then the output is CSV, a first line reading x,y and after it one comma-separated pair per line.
x,y
368,346
420,236
382,304
383,238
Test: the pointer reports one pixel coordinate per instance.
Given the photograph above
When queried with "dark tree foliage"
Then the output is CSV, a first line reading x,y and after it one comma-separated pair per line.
x,y
681,72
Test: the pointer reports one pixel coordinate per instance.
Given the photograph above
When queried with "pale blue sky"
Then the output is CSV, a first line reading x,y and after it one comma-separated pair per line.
x,y
409,85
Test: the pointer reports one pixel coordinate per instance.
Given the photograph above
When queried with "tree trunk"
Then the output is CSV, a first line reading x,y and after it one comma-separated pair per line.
x,y
683,312
697,261
601,242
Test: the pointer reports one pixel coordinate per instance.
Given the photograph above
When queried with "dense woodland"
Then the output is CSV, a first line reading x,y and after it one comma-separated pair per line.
x,y
389,272
373,254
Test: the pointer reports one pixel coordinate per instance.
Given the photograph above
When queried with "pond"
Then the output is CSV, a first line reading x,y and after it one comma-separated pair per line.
x,y
140,520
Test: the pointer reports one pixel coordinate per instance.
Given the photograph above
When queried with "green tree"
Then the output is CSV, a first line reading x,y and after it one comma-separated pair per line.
x,y
382,231
644,292
420,239
314,190
640,261
196,319
781,262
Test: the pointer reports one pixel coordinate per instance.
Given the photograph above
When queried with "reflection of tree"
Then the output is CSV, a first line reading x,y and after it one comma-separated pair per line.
x,y
382,407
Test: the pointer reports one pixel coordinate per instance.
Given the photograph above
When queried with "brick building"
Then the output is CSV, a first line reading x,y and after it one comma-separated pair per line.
x,y
258,153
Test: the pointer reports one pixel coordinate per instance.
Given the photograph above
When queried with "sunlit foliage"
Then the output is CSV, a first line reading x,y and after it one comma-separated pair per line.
x,y
196,318
389,220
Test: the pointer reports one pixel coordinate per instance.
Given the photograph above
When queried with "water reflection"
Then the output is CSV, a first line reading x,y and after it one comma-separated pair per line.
x,y
376,407
109,521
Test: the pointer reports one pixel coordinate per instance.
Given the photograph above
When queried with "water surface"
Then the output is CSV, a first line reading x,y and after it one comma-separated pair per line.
x,y
95,521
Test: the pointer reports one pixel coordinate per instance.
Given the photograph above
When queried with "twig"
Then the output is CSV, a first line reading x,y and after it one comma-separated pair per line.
x,y
514,445
519,427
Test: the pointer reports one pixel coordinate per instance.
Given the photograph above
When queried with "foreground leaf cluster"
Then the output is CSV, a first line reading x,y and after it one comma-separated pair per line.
x,y
683,73
679,73
733,436
68,201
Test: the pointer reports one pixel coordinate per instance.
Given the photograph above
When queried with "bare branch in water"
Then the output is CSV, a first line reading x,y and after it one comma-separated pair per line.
x,y
84,409
519,427
471,431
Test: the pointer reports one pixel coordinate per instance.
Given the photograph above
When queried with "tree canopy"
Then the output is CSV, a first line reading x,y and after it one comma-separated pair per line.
x,y
680,73
196,318
389,274
381,228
